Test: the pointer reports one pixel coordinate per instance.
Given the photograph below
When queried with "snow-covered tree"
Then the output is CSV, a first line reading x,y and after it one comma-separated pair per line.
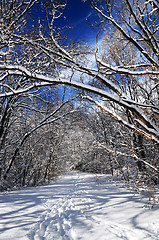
x,y
138,27
34,56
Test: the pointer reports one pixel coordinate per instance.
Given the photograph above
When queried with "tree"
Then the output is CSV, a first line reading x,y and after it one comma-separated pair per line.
x,y
31,152
142,35
129,85
23,115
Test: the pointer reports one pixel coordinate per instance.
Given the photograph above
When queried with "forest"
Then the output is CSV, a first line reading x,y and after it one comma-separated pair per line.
x,y
68,105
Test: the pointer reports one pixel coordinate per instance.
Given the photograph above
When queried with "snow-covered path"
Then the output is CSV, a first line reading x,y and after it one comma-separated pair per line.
x,y
78,206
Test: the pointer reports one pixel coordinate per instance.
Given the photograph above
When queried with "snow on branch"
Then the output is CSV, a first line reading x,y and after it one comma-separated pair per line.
x,y
42,80
149,134
128,37
123,70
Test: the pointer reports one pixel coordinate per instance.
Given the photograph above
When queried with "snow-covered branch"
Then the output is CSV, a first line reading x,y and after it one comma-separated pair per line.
x,y
124,70
46,121
41,81
149,134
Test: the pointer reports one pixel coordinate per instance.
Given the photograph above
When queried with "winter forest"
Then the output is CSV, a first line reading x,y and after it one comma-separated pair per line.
x,y
67,104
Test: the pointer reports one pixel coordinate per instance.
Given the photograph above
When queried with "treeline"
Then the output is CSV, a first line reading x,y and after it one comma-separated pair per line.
x,y
60,110
44,136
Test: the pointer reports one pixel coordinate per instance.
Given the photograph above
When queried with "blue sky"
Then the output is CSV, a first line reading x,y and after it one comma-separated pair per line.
x,y
77,14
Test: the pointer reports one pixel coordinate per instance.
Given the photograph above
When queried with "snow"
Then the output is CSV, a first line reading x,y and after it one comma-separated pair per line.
x,y
77,206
